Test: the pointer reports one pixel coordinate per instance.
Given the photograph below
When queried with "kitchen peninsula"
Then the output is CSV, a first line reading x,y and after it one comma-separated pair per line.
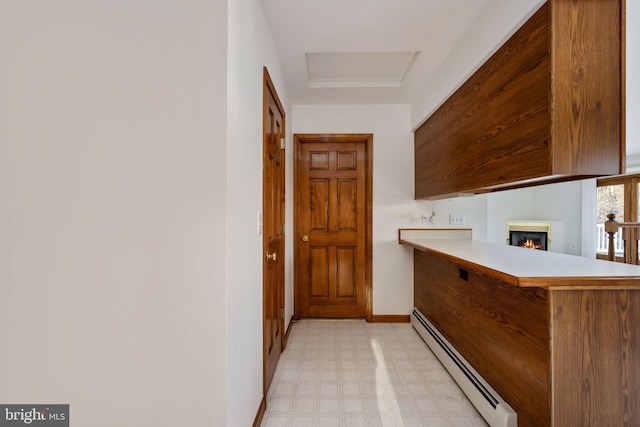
x,y
557,336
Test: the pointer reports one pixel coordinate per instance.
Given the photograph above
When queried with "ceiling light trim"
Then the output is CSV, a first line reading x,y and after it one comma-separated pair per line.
x,y
358,69
354,83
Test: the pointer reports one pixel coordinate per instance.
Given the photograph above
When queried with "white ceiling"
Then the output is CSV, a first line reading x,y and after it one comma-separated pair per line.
x,y
340,39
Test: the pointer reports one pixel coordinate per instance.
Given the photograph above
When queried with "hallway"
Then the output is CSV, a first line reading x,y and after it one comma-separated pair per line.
x,y
352,373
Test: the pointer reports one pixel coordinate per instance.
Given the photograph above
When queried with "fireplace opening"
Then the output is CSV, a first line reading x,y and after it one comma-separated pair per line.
x,y
529,239
533,235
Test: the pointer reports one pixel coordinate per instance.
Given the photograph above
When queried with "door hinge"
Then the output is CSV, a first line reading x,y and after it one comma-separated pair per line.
x,y
283,143
282,230
282,313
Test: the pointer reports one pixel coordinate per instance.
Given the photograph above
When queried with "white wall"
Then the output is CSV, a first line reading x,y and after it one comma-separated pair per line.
x,y
506,206
113,211
473,208
392,189
560,204
589,238
250,49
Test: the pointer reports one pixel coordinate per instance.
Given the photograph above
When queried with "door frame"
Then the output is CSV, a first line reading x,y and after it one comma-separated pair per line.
x,y
367,138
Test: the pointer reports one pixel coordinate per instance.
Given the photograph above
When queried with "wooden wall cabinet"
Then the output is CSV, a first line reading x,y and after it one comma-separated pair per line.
x,y
548,106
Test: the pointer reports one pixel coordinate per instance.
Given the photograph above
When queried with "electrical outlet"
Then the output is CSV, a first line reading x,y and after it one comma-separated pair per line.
x,y
456,219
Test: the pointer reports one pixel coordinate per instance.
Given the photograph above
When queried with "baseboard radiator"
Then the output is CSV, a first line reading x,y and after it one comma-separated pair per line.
x,y
489,404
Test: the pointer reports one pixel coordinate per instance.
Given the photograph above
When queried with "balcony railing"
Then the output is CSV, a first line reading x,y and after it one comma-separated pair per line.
x,y
603,241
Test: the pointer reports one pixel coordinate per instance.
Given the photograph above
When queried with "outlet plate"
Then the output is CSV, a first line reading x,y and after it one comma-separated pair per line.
x,y
456,219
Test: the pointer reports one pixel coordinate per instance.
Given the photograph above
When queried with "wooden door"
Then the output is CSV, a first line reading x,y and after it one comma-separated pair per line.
x,y
273,229
333,225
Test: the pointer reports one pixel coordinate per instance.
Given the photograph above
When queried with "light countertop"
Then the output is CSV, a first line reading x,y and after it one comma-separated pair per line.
x,y
531,268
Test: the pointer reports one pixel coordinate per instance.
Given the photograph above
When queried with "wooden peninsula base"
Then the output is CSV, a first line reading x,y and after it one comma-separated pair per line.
x,y
557,336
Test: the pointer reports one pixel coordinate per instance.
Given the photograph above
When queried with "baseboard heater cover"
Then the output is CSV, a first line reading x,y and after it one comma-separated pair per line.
x,y
489,404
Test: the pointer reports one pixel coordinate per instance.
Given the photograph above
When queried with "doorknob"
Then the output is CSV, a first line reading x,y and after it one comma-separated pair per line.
x,y
305,238
272,257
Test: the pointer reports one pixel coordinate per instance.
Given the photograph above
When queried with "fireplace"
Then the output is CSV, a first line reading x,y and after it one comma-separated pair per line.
x,y
529,239
529,235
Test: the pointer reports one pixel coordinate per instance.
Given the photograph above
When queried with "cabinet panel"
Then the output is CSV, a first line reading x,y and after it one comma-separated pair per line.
x,y
500,329
596,358
588,86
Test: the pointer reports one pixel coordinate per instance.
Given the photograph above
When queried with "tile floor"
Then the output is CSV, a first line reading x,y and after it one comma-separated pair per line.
x,y
352,373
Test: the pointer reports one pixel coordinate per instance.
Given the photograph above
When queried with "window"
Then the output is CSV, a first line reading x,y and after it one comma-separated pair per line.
x,y
620,196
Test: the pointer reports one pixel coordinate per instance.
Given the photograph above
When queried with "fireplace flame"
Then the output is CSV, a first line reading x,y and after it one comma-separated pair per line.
x,y
531,244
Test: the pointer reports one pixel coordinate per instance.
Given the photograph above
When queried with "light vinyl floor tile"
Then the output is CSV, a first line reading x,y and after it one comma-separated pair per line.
x,y
349,373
